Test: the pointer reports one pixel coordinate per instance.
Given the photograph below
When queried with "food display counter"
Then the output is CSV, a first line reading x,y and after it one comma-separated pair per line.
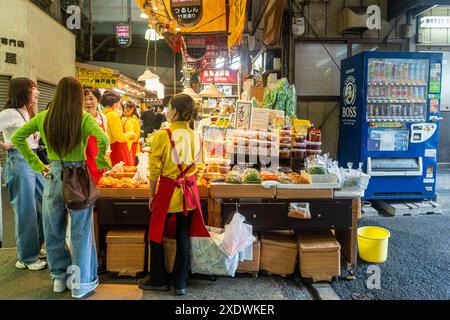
x,y
264,208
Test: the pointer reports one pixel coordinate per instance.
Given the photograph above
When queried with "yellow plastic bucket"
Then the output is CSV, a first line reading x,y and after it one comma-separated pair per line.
x,y
373,244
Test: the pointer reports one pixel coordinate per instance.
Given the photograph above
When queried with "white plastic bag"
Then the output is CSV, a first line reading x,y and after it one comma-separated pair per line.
x,y
238,235
208,258
141,176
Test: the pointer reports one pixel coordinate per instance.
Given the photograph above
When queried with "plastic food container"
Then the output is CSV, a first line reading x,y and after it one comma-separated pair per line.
x,y
314,152
285,145
285,153
298,145
286,139
285,133
253,143
300,138
263,135
251,135
264,144
314,145
299,153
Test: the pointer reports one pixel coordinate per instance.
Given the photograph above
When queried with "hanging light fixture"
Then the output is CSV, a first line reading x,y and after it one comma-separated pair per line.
x,y
143,15
151,35
151,79
212,92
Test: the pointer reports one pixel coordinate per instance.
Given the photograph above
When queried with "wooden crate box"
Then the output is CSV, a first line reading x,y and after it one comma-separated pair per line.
x,y
170,250
319,256
125,252
278,253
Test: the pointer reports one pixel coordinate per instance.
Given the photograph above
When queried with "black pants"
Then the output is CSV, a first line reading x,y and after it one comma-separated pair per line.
x,y
180,273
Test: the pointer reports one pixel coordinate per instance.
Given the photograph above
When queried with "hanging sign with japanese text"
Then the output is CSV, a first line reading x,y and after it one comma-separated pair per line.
x,y
99,80
123,34
186,12
227,76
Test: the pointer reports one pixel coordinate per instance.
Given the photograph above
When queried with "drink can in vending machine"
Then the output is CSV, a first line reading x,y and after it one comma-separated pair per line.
x,y
388,72
372,70
394,93
406,72
421,93
411,72
416,93
410,92
400,72
377,111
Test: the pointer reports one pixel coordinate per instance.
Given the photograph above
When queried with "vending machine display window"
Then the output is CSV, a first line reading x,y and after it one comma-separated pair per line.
x,y
397,89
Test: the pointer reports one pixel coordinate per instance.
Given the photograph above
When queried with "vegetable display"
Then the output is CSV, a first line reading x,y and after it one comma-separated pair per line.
x,y
251,176
233,177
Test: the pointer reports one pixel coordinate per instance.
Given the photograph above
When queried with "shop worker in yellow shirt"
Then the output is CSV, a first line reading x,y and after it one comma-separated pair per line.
x,y
131,124
118,137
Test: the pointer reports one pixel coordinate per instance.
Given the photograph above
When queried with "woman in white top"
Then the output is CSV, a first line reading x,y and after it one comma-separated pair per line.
x,y
24,185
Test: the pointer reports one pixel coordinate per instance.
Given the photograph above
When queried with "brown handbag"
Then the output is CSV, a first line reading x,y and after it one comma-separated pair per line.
x,y
79,191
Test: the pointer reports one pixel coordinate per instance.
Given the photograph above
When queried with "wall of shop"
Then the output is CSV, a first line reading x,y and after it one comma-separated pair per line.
x,y
38,47
317,75
49,48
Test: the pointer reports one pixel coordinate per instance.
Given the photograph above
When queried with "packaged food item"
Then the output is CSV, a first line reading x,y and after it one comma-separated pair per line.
x,y
251,176
283,177
286,139
253,143
218,161
262,136
299,153
251,134
300,138
314,145
297,178
285,133
264,144
301,126
299,145
299,210
233,177
285,145
291,102
269,175
285,153
315,135
270,96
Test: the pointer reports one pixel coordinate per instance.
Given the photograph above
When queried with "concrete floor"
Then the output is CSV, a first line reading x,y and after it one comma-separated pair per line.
x,y
36,285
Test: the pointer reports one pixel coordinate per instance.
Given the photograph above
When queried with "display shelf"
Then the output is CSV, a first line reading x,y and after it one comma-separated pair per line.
x,y
398,83
394,119
238,191
388,101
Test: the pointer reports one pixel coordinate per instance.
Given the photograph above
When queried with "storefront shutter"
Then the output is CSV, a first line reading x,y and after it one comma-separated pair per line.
x,y
47,92
4,82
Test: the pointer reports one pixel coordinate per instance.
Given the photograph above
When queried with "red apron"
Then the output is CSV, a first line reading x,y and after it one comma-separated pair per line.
x,y
134,146
163,196
120,152
91,154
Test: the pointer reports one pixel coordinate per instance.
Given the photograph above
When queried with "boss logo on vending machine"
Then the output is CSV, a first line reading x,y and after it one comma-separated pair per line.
x,y
349,94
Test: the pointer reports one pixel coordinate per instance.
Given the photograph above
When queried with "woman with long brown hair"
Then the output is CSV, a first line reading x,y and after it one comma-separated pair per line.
x,y
65,129
24,185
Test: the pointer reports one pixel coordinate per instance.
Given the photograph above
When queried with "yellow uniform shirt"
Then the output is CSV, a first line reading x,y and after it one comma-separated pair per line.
x,y
115,128
188,145
132,125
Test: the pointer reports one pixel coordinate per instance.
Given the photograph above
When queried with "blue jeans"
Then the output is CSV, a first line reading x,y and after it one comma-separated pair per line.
x,y
25,194
82,259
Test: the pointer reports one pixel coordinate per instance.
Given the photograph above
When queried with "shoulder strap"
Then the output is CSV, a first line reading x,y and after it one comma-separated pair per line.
x,y
174,149
21,115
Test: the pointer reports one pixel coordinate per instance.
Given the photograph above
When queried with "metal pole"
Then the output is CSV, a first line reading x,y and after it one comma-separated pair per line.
x,y
174,73
91,33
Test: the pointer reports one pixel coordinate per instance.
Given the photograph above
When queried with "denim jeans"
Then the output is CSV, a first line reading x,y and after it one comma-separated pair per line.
x,y
82,259
25,188
180,273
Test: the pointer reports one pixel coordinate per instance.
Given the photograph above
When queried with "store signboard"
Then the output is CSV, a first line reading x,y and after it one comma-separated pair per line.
x,y
243,114
123,34
8,50
226,76
187,12
236,23
96,79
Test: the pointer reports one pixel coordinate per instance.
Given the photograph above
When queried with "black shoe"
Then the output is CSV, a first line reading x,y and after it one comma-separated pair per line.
x,y
148,284
180,292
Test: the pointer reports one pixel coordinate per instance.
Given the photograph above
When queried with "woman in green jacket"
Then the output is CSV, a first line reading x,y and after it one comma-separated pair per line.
x,y
65,129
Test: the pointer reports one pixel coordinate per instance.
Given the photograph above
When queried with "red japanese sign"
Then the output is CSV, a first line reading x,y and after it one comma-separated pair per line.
x,y
226,76
187,12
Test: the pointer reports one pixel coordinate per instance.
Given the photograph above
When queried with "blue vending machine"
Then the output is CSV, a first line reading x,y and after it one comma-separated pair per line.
x,y
389,121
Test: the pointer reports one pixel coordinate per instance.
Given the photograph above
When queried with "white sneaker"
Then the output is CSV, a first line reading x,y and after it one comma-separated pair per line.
x,y
59,285
42,254
35,266
85,294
